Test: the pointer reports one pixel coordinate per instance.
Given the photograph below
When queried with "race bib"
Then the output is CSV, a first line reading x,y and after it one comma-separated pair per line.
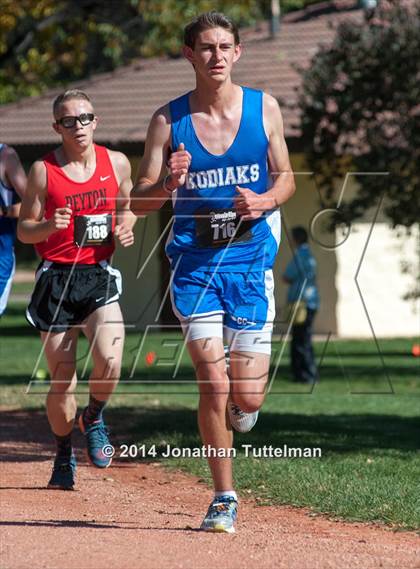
x,y
219,227
93,230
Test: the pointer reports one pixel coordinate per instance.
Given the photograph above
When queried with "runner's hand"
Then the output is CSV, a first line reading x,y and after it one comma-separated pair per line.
x,y
125,235
60,219
178,163
248,204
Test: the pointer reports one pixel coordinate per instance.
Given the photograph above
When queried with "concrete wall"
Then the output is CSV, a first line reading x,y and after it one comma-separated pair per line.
x,y
372,284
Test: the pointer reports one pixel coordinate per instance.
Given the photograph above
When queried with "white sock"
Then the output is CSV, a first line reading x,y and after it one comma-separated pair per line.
x,y
231,493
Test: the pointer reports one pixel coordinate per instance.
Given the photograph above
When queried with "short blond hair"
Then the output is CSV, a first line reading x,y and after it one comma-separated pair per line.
x,y
68,95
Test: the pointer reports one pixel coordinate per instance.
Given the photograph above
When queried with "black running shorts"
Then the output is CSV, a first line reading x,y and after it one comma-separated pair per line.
x,y
65,295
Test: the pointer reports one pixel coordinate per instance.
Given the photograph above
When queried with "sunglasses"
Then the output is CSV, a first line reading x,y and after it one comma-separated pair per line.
x,y
69,122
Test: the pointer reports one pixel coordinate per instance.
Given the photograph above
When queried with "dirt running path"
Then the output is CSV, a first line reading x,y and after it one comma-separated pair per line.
x,y
140,516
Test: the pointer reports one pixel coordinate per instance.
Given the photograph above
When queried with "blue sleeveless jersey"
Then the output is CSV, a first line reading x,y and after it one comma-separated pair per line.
x,y
207,234
8,197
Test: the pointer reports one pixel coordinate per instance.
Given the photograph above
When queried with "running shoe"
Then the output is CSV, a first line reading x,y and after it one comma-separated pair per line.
x,y
221,515
64,470
99,448
241,421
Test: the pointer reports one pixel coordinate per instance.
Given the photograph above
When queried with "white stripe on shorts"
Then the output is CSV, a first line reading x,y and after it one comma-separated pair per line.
x,y
6,291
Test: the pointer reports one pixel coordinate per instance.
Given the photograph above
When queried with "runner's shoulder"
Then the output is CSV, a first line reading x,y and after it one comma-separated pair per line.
x,y
163,113
273,120
8,153
162,117
160,124
120,163
38,173
270,103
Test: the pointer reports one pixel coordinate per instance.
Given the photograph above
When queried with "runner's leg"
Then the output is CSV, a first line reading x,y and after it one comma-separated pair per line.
x,y
60,351
105,332
209,362
248,374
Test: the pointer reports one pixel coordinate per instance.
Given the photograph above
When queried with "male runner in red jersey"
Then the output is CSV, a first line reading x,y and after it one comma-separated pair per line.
x,y
77,200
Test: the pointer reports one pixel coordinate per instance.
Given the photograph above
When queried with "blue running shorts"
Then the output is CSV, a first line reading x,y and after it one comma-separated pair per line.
x,y
237,307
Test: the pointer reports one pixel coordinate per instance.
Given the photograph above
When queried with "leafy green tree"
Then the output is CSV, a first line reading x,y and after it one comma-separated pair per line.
x,y
360,111
50,42
45,43
166,21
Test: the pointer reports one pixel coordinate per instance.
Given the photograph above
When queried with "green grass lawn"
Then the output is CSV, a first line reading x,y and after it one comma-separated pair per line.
x,y
22,288
363,415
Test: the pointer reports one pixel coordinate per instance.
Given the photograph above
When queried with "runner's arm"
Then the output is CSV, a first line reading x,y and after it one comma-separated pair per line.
x,y
15,174
278,155
153,186
125,218
251,205
15,178
32,227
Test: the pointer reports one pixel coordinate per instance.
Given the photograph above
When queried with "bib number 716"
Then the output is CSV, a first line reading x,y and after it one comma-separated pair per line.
x,y
223,231
220,227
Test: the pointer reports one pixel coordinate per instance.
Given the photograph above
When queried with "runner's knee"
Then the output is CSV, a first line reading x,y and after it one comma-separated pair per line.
x,y
106,367
248,402
213,401
214,388
63,384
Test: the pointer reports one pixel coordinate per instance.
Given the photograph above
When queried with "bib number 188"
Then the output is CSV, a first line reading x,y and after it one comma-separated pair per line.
x,y
93,230
97,232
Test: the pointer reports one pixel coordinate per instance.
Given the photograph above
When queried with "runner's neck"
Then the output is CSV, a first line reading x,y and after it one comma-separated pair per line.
x,y
68,157
217,100
78,166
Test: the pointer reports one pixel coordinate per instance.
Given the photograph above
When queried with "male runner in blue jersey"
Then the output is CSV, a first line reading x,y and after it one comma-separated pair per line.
x,y
225,236
12,188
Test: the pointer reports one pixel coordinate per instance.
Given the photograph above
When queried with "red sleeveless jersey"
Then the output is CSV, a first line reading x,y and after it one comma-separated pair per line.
x,y
95,196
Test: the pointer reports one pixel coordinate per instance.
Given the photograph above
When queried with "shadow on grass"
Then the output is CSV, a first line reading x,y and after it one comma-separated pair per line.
x,y
25,435
344,372
149,376
19,331
341,433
